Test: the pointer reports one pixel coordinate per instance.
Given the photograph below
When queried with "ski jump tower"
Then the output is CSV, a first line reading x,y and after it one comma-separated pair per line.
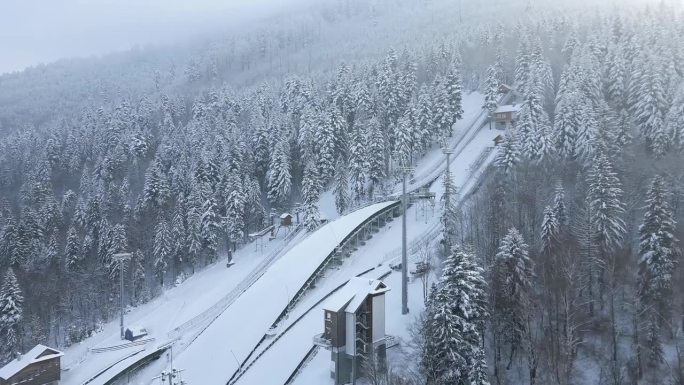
x,y
354,328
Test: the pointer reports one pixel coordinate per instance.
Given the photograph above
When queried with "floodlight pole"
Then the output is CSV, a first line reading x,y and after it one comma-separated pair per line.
x,y
404,258
447,187
121,258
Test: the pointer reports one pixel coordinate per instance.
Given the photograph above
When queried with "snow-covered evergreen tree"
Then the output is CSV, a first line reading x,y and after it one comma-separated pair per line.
x,y
455,314
566,126
559,210
549,231
72,251
424,121
373,160
659,251
512,290
508,154
279,174
404,139
235,209
310,192
11,313
358,165
491,91
607,208
341,188
162,250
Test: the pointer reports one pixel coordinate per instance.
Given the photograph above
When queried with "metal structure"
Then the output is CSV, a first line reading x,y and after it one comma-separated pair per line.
x,y
404,261
121,258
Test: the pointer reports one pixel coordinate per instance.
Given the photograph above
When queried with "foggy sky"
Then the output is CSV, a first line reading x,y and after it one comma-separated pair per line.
x,y
42,31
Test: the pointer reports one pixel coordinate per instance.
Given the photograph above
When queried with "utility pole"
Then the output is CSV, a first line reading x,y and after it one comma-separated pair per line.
x,y
404,258
121,258
447,190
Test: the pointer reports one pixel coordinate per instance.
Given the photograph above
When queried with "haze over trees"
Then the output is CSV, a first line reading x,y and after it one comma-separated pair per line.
x,y
566,268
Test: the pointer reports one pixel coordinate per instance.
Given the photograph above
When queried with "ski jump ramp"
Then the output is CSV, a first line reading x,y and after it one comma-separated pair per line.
x,y
216,354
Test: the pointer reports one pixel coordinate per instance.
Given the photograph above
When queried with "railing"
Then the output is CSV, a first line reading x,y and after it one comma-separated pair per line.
x,y
122,346
479,161
468,134
244,367
305,361
391,341
354,234
321,341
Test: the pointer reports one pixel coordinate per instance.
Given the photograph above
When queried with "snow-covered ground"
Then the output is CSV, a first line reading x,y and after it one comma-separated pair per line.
x,y
213,356
210,286
278,362
174,307
275,366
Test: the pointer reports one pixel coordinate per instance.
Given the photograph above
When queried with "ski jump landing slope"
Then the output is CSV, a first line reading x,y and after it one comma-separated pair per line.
x,y
213,357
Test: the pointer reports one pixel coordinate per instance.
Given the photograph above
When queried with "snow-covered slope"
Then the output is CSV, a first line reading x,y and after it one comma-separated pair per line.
x,y
276,365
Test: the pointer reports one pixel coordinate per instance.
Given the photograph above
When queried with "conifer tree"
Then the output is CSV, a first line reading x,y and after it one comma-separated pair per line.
x,y
512,290
235,209
279,174
659,251
162,250
310,191
404,139
605,193
559,209
358,165
374,158
549,232
341,189
72,251
491,92
11,313
424,123
455,313
566,126
508,155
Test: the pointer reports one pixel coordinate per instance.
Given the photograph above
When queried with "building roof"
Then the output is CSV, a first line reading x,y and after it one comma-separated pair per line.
x,y
285,215
352,294
507,108
37,354
137,330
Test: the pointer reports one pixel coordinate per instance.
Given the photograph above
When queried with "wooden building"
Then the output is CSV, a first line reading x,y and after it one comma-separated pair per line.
x,y
134,333
286,219
40,366
354,327
505,116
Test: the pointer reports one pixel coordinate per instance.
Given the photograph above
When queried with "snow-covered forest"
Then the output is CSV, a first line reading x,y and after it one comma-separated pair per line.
x,y
562,268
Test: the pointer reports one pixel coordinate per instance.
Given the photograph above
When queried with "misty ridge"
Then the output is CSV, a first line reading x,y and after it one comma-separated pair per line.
x,y
178,141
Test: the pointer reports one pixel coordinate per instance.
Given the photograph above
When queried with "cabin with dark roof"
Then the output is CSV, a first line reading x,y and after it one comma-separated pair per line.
x,y
40,366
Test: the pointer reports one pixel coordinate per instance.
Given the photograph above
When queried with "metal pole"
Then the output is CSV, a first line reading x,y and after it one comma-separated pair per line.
x,y
447,194
404,259
121,274
121,258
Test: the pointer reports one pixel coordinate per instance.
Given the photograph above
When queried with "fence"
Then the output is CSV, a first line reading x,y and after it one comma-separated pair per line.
x,y
122,346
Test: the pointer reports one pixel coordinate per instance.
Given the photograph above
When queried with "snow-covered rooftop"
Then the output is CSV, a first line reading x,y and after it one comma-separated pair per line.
x,y
137,330
285,215
37,354
352,295
508,108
